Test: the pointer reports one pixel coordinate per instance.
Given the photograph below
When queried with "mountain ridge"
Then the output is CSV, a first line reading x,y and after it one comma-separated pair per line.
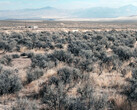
x,y
52,12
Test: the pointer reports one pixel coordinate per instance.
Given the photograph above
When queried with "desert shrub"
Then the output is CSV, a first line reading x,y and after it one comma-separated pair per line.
x,y
24,104
96,54
62,41
45,36
124,53
53,96
114,104
111,38
18,47
54,80
76,47
15,56
89,97
129,41
134,73
16,36
39,44
54,93
85,65
26,41
9,83
88,54
86,92
6,60
39,60
125,71
49,45
34,74
11,45
75,104
2,44
59,45
131,91
1,67
133,64
111,61
7,45
28,54
23,54
51,64
68,75
102,55
100,102
42,61
76,61
135,52
61,56
86,37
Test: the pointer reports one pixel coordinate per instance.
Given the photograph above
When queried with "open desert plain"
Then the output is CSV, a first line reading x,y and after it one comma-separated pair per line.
x,y
68,65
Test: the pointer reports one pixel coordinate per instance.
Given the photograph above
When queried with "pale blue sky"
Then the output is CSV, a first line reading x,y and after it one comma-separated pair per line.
x,y
65,4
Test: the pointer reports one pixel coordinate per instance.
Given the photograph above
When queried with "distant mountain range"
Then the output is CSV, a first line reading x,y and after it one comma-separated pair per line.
x,y
52,13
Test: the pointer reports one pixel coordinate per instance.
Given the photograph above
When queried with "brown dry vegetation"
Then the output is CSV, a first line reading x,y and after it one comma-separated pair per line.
x,y
20,25
68,70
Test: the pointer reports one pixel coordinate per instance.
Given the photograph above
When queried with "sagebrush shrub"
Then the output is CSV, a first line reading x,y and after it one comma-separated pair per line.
x,y
39,61
131,90
28,54
9,82
24,104
124,53
75,104
61,56
86,65
6,60
68,75
53,96
1,67
59,45
34,74
15,56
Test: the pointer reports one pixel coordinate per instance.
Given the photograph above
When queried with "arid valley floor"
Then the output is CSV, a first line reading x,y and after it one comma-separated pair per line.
x,y
67,65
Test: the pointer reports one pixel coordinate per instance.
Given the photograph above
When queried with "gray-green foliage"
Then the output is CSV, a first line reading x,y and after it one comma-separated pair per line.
x,y
9,82
6,60
34,74
24,104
